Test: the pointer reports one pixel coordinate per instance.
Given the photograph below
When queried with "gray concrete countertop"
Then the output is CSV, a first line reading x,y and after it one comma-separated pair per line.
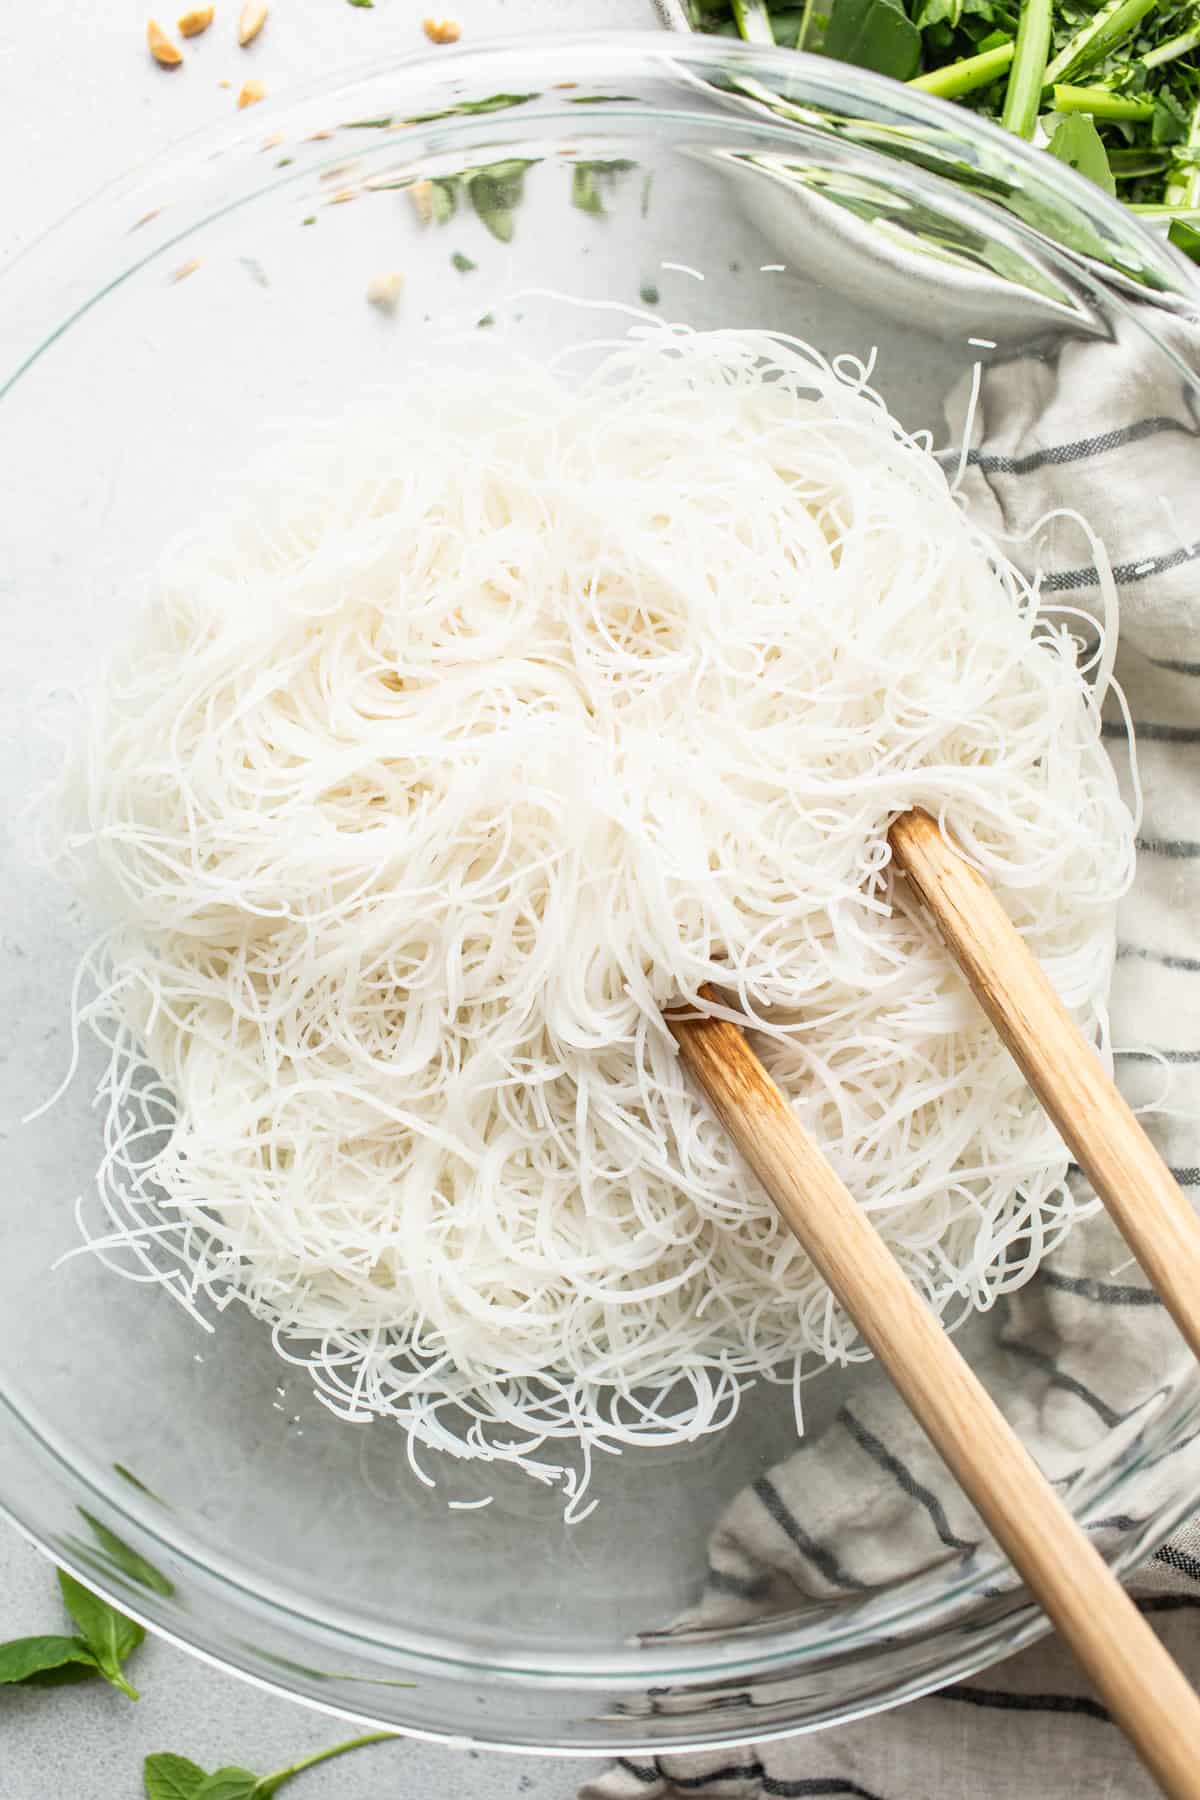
x,y
83,102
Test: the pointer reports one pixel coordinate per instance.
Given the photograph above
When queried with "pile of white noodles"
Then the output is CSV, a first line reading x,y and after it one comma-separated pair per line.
x,y
470,738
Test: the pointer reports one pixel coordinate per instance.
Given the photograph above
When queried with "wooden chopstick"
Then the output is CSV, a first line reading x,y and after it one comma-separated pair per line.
x,y
1143,1688
1145,1201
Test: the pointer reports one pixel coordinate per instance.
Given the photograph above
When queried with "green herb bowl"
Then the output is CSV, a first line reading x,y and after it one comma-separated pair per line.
x,y
145,343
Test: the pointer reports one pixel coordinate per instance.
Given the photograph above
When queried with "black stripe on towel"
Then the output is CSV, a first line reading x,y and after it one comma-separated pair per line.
x,y
1176,668
1174,849
1168,1603
1186,965
745,1587
1103,1292
1148,732
1081,449
822,1559
1067,1383
1180,1561
1186,1174
1051,1703
804,1787
1155,1053
1069,581
879,1453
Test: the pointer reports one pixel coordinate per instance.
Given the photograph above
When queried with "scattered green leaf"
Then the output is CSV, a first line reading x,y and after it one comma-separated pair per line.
x,y
128,1560
366,3
167,1777
648,294
24,1660
487,319
462,263
1077,143
108,1634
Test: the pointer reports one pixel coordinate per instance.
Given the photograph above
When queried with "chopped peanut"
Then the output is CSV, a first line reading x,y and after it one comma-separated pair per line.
x,y
192,23
166,54
442,31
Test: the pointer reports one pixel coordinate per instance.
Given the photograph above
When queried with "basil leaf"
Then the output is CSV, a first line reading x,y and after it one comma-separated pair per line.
x,y
109,1635
873,34
168,1777
228,1784
53,1658
127,1559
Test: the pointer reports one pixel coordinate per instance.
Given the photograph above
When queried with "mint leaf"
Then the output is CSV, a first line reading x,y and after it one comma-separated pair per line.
x,y
59,1658
1077,143
228,1784
168,1777
873,34
108,1634
128,1560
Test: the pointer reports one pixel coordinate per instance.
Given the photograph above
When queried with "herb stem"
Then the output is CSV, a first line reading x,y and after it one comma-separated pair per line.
x,y
1126,164
1101,103
270,1784
1098,37
1027,76
969,73
1183,189
1176,46
805,22
1155,209
753,21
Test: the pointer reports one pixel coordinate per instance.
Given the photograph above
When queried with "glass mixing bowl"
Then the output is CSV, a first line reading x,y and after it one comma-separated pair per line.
x,y
145,344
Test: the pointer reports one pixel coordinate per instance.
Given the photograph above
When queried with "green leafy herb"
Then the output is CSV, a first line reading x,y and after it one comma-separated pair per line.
x,y
128,1560
462,263
168,1777
45,1661
1077,143
367,3
487,319
1132,67
108,1634
873,34
1109,26
648,294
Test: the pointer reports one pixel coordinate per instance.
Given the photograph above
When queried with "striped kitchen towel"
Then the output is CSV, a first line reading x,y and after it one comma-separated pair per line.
x,y
1082,1354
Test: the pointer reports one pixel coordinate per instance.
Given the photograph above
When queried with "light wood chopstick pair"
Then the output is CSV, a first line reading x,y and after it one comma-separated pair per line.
x,y
1145,1691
